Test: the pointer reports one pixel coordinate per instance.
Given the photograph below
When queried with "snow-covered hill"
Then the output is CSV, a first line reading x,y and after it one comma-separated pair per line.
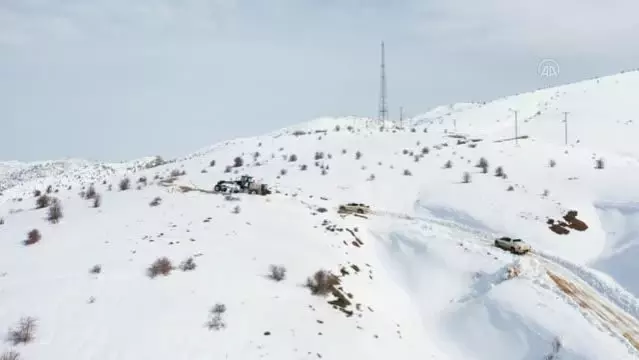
x,y
419,278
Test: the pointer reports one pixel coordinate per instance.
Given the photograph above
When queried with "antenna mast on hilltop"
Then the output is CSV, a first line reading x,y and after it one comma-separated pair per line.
x,y
383,107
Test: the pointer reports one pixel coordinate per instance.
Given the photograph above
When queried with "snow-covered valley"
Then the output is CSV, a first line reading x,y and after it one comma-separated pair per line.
x,y
418,278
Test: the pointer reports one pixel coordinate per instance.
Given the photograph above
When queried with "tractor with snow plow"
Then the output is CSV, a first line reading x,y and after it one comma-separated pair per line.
x,y
246,184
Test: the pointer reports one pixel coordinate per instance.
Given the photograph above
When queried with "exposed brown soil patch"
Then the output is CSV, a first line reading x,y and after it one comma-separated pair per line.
x,y
613,320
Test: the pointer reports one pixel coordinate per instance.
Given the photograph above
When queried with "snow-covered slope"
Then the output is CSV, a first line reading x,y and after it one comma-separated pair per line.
x,y
419,277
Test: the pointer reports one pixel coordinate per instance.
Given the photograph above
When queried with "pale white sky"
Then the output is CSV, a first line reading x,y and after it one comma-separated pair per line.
x,y
119,79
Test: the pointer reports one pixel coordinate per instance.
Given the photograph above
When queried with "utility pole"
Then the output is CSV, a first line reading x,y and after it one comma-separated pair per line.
x,y
383,107
516,129
566,127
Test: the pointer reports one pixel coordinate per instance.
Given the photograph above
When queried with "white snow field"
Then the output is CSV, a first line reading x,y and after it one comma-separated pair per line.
x,y
419,277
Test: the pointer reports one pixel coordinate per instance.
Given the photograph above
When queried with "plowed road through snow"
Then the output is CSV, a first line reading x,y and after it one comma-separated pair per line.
x,y
594,305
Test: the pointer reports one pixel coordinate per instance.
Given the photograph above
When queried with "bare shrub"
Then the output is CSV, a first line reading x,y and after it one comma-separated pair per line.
x,y
125,184
188,264
483,165
24,332
216,322
142,180
337,127
448,164
499,171
283,172
405,151
277,272
236,210
177,173
425,150
599,163
96,269
371,177
238,162
97,201
1,221
292,158
343,151
256,155
556,348
49,189
161,266
319,155
156,201
322,283
552,163
90,193
466,177
510,188
212,163
10,355
33,237
407,173
43,201
324,172
37,193
55,211
303,167
358,155
228,169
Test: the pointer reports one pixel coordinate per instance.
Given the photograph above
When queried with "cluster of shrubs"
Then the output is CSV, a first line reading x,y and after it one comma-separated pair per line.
x,y
163,267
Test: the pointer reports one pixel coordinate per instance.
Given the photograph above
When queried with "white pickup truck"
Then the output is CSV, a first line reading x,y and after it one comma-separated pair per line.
x,y
516,246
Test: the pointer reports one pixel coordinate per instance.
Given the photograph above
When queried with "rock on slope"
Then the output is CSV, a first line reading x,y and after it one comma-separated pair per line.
x,y
418,278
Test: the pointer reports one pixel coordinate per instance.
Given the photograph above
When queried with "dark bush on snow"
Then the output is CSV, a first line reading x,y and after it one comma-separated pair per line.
x,y
43,201
277,272
156,201
55,211
125,184
90,193
33,237
10,355
24,332
188,264
322,283
161,266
